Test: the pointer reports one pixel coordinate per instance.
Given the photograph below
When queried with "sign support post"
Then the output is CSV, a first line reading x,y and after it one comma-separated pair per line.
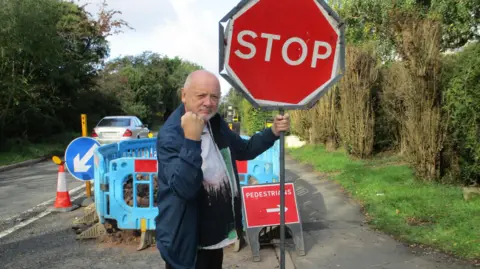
x,y
282,196
88,185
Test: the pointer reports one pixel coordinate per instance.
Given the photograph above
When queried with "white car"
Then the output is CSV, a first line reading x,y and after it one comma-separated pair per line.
x,y
113,129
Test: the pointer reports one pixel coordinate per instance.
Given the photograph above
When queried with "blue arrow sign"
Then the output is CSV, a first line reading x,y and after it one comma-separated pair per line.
x,y
79,157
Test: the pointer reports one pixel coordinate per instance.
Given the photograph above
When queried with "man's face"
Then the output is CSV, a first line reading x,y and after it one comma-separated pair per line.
x,y
202,97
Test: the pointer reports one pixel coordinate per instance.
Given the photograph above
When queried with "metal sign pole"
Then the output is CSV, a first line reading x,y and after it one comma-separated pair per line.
x,y
282,196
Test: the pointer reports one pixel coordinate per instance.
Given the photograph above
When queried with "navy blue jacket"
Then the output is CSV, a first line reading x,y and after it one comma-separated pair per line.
x,y
180,187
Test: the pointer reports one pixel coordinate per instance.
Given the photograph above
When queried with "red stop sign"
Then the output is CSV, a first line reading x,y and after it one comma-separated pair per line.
x,y
282,53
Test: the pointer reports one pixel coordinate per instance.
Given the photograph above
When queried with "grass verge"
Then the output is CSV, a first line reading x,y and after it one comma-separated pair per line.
x,y
21,150
397,203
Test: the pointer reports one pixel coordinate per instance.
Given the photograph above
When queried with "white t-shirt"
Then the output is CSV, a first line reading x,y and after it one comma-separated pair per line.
x,y
215,176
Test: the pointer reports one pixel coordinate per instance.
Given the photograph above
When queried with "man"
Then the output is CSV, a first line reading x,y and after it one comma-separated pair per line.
x,y
198,196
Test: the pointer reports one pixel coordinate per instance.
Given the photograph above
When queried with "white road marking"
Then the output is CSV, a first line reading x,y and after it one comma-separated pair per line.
x,y
23,224
35,218
74,190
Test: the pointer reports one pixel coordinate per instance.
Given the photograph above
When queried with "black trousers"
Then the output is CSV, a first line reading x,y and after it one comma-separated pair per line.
x,y
207,259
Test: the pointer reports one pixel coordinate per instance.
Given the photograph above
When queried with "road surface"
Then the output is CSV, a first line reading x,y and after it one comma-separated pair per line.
x,y
31,237
49,243
334,231
27,191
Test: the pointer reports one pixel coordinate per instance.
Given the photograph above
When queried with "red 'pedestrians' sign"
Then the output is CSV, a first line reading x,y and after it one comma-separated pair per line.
x,y
262,205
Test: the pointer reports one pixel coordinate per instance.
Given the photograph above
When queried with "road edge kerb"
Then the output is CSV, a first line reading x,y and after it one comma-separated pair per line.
x,y
4,168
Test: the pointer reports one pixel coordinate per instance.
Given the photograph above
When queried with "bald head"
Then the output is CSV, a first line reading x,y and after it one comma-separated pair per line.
x,y
201,77
201,93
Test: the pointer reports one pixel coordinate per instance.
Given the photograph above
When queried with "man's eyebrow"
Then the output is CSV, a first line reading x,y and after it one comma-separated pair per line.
x,y
206,93
199,92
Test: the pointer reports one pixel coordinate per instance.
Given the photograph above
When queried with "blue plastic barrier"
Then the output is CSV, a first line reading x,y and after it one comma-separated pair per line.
x,y
123,171
116,163
259,172
271,156
104,181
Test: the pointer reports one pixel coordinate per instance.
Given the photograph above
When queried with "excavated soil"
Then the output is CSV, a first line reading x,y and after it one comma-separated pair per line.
x,y
142,192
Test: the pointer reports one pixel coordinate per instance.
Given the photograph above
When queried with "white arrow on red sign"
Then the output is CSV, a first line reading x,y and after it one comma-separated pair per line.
x,y
276,210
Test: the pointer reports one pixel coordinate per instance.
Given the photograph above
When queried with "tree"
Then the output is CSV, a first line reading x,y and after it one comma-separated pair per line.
x,y
146,85
50,54
371,20
462,98
232,98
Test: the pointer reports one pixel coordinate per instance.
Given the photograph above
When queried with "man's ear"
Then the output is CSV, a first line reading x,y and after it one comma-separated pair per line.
x,y
182,95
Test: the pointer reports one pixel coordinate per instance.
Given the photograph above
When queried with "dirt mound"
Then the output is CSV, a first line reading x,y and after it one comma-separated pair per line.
x,y
142,190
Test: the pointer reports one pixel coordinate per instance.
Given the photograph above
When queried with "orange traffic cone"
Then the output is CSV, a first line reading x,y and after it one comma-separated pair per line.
x,y
62,201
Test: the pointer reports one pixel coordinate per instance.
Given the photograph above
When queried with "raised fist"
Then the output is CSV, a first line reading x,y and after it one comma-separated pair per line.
x,y
192,126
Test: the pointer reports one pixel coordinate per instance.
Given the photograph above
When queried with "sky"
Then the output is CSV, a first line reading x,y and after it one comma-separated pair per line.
x,y
184,28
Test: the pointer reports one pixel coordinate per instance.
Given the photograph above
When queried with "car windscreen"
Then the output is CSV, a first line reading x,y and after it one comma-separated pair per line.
x,y
114,123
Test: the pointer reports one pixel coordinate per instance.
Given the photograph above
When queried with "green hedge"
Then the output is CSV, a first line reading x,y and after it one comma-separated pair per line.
x,y
462,103
253,120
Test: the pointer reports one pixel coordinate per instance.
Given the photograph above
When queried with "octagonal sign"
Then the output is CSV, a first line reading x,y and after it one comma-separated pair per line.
x,y
282,54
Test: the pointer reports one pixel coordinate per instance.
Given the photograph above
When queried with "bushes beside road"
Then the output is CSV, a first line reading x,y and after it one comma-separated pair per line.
x,y
415,99
403,97
416,194
19,150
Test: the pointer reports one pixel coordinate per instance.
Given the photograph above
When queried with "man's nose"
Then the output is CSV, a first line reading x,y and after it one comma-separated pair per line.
x,y
208,102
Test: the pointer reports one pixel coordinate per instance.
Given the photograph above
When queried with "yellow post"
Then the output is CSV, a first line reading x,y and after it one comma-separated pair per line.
x,y
83,117
88,185
143,225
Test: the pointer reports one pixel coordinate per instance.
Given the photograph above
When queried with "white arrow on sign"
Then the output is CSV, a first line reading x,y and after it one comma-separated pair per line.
x,y
277,209
80,165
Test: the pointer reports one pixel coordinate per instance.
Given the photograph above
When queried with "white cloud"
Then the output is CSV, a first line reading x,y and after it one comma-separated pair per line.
x,y
184,28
